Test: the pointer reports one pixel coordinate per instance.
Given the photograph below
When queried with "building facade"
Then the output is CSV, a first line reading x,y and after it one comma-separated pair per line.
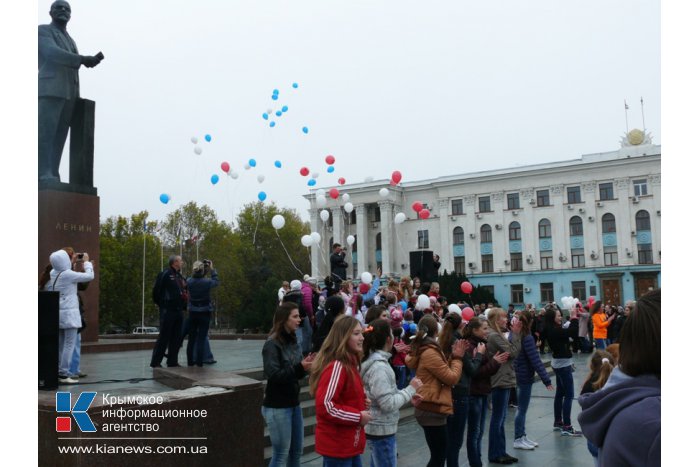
x,y
584,227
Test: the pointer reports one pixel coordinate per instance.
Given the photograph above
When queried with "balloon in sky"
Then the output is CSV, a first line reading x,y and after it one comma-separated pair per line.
x,y
321,201
314,175
278,221
164,198
275,97
330,169
346,197
208,138
246,166
383,192
467,313
466,287
252,163
278,113
350,239
262,196
341,181
348,207
272,124
265,116
233,175
334,193
366,277
311,182
197,150
307,241
417,206
304,171
330,160
214,179
305,130
194,140
284,108
320,191
324,215
396,176
275,91
316,237
261,178
424,214
295,85
225,166
278,164
369,179
400,218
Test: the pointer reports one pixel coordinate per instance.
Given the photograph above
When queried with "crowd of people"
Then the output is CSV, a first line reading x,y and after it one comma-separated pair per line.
x,y
370,350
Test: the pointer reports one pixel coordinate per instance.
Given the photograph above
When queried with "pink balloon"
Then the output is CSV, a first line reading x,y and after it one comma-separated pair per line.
x,y
225,167
467,287
424,214
330,160
417,206
467,313
396,176
334,193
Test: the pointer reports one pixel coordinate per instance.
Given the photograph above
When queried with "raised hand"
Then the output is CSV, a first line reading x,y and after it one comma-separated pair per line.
x,y
459,347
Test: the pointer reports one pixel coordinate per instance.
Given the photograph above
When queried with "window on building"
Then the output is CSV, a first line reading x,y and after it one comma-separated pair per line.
x,y
546,260
330,245
379,241
640,187
606,191
642,220
547,292
353,218
460,265
573,194
578,258
543,197
545,228
484,204
485,233
458,236
376,214
423,239
514,231
457,207
575,226
516,294
610,255
486,263
516,261
490,289
513,201
578,290
644,254
609,223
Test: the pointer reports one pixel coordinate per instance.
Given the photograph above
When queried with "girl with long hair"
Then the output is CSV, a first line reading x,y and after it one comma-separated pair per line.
x,y
601,364
385,397
601,322
527,363
341,407
438,374
499,339
284,367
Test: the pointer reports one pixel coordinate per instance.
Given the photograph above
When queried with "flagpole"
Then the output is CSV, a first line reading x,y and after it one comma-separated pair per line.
x,y
143,276
644,125
626,123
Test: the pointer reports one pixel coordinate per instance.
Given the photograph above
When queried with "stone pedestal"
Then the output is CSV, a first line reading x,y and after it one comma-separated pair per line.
x,y
70,216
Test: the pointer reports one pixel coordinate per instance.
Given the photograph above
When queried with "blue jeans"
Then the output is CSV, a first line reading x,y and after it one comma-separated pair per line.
x,y
401,380
564,396
75,361
198,331
303,334
497,431
337,462
524,394
593,449
456,423
601,344
478,405
286,428
382,451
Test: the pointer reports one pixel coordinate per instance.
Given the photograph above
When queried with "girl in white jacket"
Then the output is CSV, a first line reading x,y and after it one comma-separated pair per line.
x,y
386,399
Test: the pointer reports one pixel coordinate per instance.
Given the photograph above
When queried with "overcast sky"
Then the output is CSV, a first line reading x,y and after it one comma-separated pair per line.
x,y
429,89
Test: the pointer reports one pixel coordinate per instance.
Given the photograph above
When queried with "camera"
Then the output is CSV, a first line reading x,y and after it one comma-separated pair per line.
x,y
206,262
80,255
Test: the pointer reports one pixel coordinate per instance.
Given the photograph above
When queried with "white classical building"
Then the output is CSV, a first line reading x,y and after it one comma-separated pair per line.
x,y
580,227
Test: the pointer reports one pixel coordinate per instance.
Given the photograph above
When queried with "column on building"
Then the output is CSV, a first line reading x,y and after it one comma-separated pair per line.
x,y
446,257
560,225
387,222
592,230
655,215
624,223
472,246
361,238
499,236
529,231
338,228
315,226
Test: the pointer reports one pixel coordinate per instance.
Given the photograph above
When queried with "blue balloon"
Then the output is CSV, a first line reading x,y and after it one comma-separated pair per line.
x,y
214,179
278,113
295,85
284,108
265,116
272,124
262,195
164,198
311,182
275,91
252,163
305,130
278,164
275,97
330,169
208,138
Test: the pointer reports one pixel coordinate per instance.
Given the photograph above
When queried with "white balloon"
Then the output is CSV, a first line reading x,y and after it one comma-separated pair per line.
x,y
366,277
351,239
194,140
316,237
400,218
348,207
321,201
384,192
233,175
324,215
246,166
369,179
423,302
197,150
454,308
320,192
278,221
261,178
346,197
306,240
314,175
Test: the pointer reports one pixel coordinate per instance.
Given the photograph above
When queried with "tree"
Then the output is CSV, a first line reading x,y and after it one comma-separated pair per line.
x,y
450,287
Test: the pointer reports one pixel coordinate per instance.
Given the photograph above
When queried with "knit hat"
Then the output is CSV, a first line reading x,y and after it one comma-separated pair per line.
x,y
306,278
364,288
295,285
396,317
335,305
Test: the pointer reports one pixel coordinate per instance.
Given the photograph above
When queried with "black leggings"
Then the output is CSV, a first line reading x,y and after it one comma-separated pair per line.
x,y
436,437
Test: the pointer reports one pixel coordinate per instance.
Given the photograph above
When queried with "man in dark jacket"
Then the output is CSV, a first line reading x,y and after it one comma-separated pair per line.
x,y
338,265
170,291
199,287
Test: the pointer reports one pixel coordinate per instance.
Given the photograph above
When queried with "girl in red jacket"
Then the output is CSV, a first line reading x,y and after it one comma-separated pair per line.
x,y
341,404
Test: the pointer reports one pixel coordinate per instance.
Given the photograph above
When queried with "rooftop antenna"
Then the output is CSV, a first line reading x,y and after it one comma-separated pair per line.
x,y
644,125
627,107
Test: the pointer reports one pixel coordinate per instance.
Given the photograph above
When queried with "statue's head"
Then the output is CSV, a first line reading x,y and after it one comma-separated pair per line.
x,y
60,11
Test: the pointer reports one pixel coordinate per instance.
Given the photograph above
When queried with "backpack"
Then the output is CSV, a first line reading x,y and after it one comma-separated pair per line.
x,y
157,292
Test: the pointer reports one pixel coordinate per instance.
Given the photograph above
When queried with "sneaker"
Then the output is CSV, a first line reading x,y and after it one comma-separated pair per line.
x,y
557,426
529,441
511,458
512,406
67,380
570,431
520,443
210,362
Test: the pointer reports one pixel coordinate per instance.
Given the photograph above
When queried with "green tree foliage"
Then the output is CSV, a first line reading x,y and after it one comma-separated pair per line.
x,y
450,287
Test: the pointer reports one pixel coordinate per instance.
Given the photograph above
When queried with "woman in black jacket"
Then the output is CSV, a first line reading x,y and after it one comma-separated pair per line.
x,y
284,367
558,339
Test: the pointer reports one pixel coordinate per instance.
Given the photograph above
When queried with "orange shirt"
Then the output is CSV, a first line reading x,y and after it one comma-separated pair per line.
x,y
600,326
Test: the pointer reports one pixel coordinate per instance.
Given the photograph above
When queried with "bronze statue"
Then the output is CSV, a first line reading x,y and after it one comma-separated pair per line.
x,y
59,87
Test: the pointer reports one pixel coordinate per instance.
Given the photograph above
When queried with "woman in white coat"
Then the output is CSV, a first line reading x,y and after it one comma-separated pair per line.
x,y
64,280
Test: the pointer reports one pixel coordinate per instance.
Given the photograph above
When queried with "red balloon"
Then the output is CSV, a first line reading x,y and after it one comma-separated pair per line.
x,y
330,160
467,287
424,214
392,183
341,180
304,171
396,176
225,167
334,193
467,313
417,206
